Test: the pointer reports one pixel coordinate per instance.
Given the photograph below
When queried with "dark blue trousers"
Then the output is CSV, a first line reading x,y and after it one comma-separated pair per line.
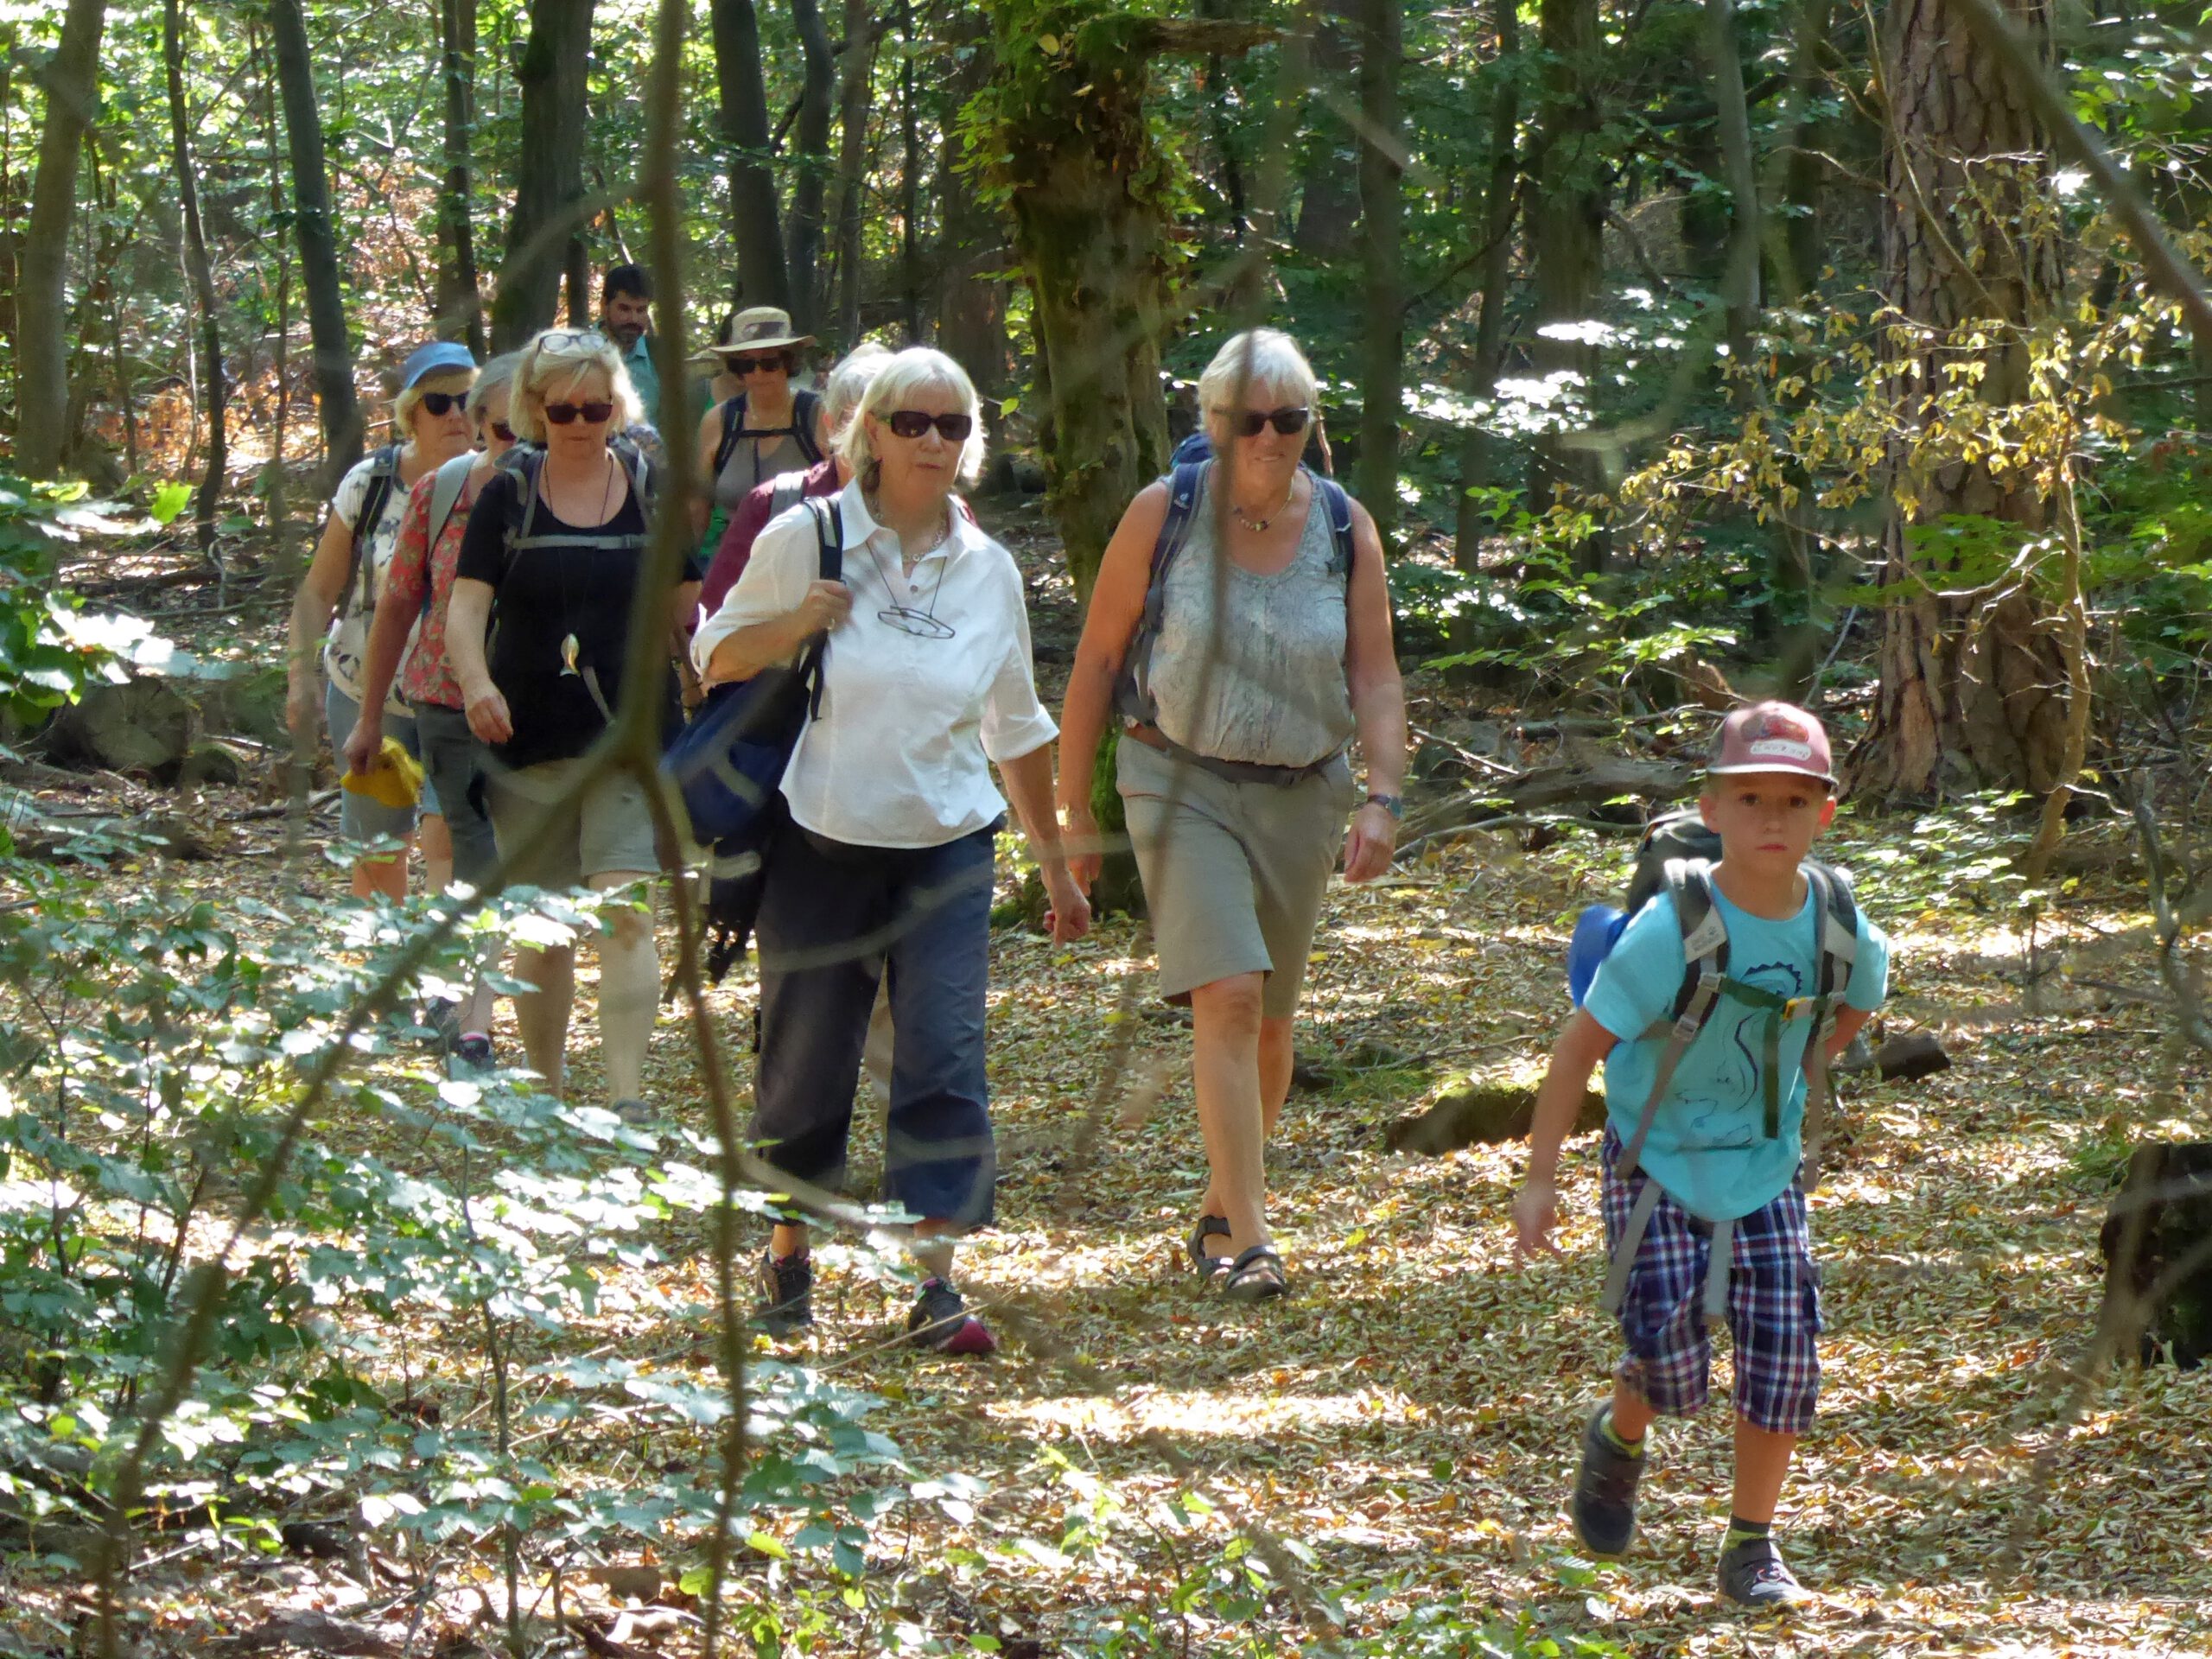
x,y
833,919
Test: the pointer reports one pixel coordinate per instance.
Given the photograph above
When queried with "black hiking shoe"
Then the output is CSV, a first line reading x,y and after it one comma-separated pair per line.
x,y
786,1293
1752,1574
941,1321
1603,1509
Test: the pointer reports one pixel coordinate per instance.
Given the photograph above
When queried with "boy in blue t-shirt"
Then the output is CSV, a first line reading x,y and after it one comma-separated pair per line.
x,y
1725,1146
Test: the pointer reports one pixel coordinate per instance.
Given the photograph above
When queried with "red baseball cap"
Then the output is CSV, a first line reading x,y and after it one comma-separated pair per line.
x,y
1772,737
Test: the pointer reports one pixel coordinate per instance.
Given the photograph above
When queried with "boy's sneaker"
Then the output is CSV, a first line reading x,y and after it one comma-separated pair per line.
x,y
786,1293
1752,1574
941,1321
1603,1509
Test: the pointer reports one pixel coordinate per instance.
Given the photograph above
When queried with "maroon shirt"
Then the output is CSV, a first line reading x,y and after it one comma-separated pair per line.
x,y
747,524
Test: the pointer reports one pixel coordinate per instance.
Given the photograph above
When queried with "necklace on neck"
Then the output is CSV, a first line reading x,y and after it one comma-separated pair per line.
x,y
1256,526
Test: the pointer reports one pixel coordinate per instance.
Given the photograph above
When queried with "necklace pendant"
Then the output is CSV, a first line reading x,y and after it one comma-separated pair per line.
x,y
569,647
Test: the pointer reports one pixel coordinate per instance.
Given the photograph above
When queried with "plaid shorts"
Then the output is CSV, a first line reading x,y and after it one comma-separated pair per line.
x,y
1774,1306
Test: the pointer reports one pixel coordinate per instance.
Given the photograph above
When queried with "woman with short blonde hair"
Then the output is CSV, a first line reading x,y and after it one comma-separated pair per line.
x,y
882,871
1236,699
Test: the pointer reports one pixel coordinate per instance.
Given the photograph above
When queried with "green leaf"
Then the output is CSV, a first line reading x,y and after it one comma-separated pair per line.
x,y
172,498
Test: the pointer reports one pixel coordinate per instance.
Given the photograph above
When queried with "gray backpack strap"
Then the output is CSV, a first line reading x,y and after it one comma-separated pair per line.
x,y
445,494
784,492
1836,915
1716,1271
1705,960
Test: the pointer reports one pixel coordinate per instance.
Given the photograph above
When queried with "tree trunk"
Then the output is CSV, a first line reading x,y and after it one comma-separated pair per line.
x,y
910,181
43,434
755,219
1794,258
549,180
818,90
1383,209
1501,196
971,237
1569,218
318,243
1075,151
1328,193
1973,690
211,378
460,306
861,36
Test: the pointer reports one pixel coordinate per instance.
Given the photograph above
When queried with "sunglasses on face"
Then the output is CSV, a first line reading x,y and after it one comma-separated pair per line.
x,y
1249,423
443,404
756,365
912,424
592,414
502,432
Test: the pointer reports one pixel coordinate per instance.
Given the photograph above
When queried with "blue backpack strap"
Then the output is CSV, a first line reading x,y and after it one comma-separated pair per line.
x,y
1338,504
733,419
805,407
1133,690
830,543
383,476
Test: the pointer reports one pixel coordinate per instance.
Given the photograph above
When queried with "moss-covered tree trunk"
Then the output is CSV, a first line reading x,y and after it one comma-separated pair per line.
x,y
1973,689
1089,226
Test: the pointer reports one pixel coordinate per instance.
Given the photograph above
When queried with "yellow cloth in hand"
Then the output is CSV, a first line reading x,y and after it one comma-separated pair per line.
x,y
395,779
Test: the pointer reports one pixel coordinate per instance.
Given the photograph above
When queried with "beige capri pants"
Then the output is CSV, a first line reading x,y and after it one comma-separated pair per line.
x,y
1233,872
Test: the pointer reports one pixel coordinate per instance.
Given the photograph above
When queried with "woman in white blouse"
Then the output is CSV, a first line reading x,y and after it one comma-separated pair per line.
x,y
884,868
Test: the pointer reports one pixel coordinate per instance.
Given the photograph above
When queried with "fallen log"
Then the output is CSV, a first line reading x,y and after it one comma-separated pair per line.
x,y
1482,1113
2157,1245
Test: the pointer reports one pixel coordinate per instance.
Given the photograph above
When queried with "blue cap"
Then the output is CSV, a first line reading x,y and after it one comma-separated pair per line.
x,y
429,359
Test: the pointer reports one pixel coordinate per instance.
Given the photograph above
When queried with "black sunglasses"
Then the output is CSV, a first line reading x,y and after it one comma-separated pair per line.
x,y
562,414
748,364
443,404
502,432
1248,422
912,424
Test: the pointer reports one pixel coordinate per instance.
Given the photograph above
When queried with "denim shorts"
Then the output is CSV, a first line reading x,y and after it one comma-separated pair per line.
x,y
1774,1306
360,818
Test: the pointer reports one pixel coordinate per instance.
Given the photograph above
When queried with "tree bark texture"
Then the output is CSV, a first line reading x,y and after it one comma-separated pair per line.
x,y
549,178
213,383
1382,209
910,181
971,252
1972,690
461,307
316,234
861,36
1093,245
818,90
1501,199
42,434
1328,193
1566,230
756,219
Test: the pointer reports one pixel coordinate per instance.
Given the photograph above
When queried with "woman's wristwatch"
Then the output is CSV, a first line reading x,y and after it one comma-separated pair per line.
x,y
1394,805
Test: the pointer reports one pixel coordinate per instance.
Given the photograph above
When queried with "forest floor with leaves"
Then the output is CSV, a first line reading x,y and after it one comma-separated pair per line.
x,y
1399,1433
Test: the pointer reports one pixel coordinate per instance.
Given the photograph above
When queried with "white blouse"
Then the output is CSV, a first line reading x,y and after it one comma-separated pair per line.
x,y
896,758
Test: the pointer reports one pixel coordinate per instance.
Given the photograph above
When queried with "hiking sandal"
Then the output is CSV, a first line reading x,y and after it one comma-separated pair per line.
x,y
1254,1276
1208,1265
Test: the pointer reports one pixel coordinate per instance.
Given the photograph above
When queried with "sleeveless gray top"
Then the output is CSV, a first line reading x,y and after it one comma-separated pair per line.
x,y
1276,695
753,462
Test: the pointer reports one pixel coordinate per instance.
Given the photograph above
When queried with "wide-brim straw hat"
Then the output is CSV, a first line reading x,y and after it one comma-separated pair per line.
x,y
759,328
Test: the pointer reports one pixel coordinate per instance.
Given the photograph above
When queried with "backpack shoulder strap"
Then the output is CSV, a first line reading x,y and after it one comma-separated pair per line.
x,y
1705,965
384,474
829,546
1132,693
1836,914
805,407
445,494
1338,504
785,491
732,420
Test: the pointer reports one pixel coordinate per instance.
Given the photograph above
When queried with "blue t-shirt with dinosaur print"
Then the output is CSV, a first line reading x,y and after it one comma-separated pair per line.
x,y
1708,1146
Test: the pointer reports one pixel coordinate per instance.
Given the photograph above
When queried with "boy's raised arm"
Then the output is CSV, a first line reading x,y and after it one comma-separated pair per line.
x,y
1558,1102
